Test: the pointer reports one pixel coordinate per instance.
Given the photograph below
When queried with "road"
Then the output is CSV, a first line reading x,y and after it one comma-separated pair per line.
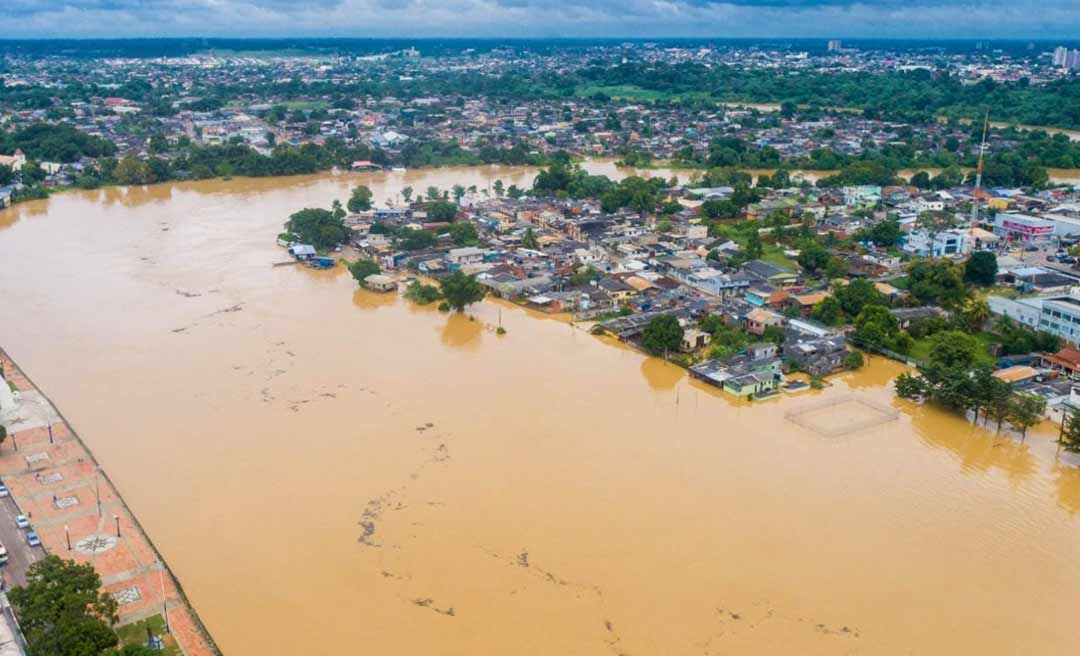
x,y
20,554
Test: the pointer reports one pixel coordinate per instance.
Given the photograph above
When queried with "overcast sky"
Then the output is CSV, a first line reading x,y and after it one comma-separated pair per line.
x,y
543,18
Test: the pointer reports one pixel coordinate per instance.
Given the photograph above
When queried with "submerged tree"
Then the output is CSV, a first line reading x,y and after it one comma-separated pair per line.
x,y
461,290
1025,411
318,227
1070,434
361,269
662,334
360,200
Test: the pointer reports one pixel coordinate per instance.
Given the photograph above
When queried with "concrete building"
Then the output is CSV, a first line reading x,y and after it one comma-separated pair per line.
x,y
1061,316
1021,227
1024,227
1025,311
941,244
1061,54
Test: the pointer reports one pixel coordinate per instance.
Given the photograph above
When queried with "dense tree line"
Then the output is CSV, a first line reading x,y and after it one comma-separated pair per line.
x,y
916,96
55,143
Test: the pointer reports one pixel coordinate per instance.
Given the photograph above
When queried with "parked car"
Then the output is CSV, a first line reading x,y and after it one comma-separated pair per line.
x,y
4,491
22,521
32,538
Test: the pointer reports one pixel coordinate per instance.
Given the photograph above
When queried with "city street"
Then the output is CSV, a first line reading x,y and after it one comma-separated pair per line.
x,y
20,554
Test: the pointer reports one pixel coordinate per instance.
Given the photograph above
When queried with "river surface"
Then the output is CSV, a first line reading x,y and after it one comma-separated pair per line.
x,y
329,470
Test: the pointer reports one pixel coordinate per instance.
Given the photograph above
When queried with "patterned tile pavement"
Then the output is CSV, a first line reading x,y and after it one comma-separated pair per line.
x,y
71,501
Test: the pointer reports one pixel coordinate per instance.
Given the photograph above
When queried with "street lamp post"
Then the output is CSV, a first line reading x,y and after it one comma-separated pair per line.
x,y
164,603
50,434
67,536
116,518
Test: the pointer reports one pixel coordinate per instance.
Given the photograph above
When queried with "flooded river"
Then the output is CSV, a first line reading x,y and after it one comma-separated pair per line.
x,y
329,470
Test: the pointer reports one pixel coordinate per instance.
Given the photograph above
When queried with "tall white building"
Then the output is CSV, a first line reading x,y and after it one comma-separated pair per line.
x,y
1072,60
1065,58
835,45
1060,53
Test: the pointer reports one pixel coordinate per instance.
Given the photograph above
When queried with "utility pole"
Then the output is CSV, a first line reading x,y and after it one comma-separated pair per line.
x,y
979,170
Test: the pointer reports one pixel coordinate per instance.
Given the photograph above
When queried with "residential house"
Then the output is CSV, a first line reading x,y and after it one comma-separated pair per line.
x,y
756,372
816,356
1066,362
759,319
458,257
14,162
617,290
380,283
717,283
302,251
805,303
906,316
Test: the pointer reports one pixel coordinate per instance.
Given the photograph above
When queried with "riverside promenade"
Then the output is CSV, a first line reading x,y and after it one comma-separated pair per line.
x,y
74,507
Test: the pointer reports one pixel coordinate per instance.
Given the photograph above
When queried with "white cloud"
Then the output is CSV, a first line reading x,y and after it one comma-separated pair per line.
x,y
544,18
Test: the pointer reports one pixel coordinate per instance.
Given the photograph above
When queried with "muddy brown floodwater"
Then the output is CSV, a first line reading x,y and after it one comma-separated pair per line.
x,y
329,470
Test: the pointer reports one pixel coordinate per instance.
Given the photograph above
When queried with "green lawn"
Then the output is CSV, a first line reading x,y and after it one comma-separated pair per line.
x,y
775,255
920,352
135,634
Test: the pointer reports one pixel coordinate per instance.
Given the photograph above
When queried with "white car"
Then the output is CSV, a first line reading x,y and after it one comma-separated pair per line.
x,y
4,491
22,521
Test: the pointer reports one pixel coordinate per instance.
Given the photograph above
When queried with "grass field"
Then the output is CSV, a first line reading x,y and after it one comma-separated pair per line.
x,y
775,255
135,634
920,352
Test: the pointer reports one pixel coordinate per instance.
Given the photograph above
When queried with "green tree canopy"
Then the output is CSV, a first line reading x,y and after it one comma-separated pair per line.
x,y
813,257
361,269
441,212
318,227
529,240
876,326
464,233
62,612
461,290
856,295
662,334
981,268
954,349
937,282
360,199
1070,435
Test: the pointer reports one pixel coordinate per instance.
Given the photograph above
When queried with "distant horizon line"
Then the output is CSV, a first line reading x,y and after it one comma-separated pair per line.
x,y
545,38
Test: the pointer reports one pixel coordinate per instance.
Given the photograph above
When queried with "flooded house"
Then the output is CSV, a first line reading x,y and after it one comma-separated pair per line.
x,y
756,372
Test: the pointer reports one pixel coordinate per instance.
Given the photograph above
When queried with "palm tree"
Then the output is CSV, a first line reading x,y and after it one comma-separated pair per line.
x,y
976,312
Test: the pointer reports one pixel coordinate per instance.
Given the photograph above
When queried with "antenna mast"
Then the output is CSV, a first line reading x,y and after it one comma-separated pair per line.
x,y
979,170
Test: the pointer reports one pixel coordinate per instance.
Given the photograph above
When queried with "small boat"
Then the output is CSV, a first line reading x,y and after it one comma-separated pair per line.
x,y
398,169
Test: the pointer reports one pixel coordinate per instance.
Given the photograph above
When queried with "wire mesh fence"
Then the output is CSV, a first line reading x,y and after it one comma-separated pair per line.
x,y
843,415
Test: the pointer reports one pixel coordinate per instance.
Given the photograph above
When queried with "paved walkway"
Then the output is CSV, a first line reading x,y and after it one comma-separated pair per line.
x,y
75,509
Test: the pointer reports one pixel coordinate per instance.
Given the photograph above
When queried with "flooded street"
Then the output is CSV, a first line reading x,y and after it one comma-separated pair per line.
x,y
329,470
